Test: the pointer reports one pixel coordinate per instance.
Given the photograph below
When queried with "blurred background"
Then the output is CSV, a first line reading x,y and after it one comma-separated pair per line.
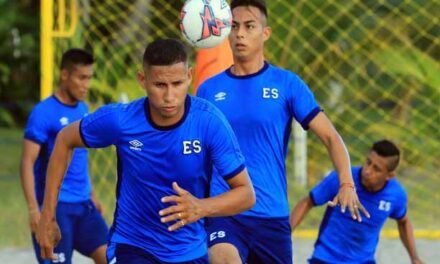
x,y
374,65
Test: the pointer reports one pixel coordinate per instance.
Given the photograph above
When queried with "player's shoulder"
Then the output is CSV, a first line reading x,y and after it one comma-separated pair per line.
x,y
217,77
117,109
396,187
45,104
201,106
82,105
284,76
277,70
212,82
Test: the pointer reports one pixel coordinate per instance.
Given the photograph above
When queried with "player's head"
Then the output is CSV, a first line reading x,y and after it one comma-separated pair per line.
x,y
249,28
166,77
76,71
380,165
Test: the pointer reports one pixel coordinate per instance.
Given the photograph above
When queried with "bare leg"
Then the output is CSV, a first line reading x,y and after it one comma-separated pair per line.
x,y
99,255
224,253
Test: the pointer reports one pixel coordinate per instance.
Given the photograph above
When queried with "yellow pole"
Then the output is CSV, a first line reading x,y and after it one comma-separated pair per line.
x,y
61,14
46,49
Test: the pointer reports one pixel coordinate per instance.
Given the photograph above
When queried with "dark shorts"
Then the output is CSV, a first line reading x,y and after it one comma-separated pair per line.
x,y
258,240
82,228
127,254
317,261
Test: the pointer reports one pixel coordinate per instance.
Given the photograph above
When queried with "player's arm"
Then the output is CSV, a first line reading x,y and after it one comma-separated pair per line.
x,y
239,198
407,237
189,209
301,209
29,155
346,196
96,201
48,233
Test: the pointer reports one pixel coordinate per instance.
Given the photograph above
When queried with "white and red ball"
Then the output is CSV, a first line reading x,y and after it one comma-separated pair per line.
x,y
205,23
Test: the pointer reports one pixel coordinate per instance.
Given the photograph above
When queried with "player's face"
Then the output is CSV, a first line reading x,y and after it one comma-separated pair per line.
x,y
167,87
375,171
76,81
248,32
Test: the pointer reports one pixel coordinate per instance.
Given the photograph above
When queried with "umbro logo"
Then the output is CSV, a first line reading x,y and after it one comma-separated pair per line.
x,y
64,121
220,96
136,145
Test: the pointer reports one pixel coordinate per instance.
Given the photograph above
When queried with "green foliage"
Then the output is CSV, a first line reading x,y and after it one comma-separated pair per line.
x,y
409,64
6,119
19,55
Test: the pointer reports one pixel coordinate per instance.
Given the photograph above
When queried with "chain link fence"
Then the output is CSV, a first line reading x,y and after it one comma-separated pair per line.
x,y
372,64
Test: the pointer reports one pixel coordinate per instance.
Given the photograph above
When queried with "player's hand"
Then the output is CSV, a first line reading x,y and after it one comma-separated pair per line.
x,y
34,218
417,261
347,197
48,235
188,209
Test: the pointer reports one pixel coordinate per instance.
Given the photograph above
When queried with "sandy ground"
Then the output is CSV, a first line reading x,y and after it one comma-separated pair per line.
x,y
389,251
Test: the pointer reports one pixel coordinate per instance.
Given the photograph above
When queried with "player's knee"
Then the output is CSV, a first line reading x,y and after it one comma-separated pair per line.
x,y
224,253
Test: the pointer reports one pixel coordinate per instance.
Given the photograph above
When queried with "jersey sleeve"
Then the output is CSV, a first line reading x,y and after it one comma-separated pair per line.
x,y
326,190
223,148
101,128
400,208
302,102
37,128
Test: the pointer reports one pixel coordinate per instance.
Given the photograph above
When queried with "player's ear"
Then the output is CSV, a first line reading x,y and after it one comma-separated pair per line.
x,y
267,31
391,174
64,74
190,73
140,76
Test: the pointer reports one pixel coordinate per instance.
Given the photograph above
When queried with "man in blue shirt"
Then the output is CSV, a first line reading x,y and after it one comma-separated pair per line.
x,y
260,101
166,145
341,240
81,222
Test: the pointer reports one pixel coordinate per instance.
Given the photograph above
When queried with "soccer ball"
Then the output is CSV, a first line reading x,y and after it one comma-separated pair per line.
x,y
205,23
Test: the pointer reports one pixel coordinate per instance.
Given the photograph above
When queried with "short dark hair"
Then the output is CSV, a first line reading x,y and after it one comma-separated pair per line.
x,y
260,4
387,149
163,52
74,57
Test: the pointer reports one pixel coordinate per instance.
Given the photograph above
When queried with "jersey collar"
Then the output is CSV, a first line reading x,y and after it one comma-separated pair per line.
x,y
170,127
262,70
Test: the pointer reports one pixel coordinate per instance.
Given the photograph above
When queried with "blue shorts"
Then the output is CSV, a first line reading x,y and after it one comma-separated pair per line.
x,y
258,240
127,254
82,228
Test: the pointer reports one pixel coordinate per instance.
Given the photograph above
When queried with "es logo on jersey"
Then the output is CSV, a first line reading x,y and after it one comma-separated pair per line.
x,y
384,206
190,147
218,234
270,93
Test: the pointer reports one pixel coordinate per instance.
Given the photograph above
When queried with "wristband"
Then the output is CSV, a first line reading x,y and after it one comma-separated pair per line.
x,y
347,184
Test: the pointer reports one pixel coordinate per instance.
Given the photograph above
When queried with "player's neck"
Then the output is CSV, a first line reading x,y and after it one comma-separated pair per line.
x,y
372,189
243,68
64,97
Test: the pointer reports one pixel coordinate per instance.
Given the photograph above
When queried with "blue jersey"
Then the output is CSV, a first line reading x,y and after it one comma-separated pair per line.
x,y
150,158
342,240
45,121
260,108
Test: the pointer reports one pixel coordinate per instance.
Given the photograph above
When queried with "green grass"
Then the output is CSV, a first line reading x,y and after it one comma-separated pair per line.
x,y
14,231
